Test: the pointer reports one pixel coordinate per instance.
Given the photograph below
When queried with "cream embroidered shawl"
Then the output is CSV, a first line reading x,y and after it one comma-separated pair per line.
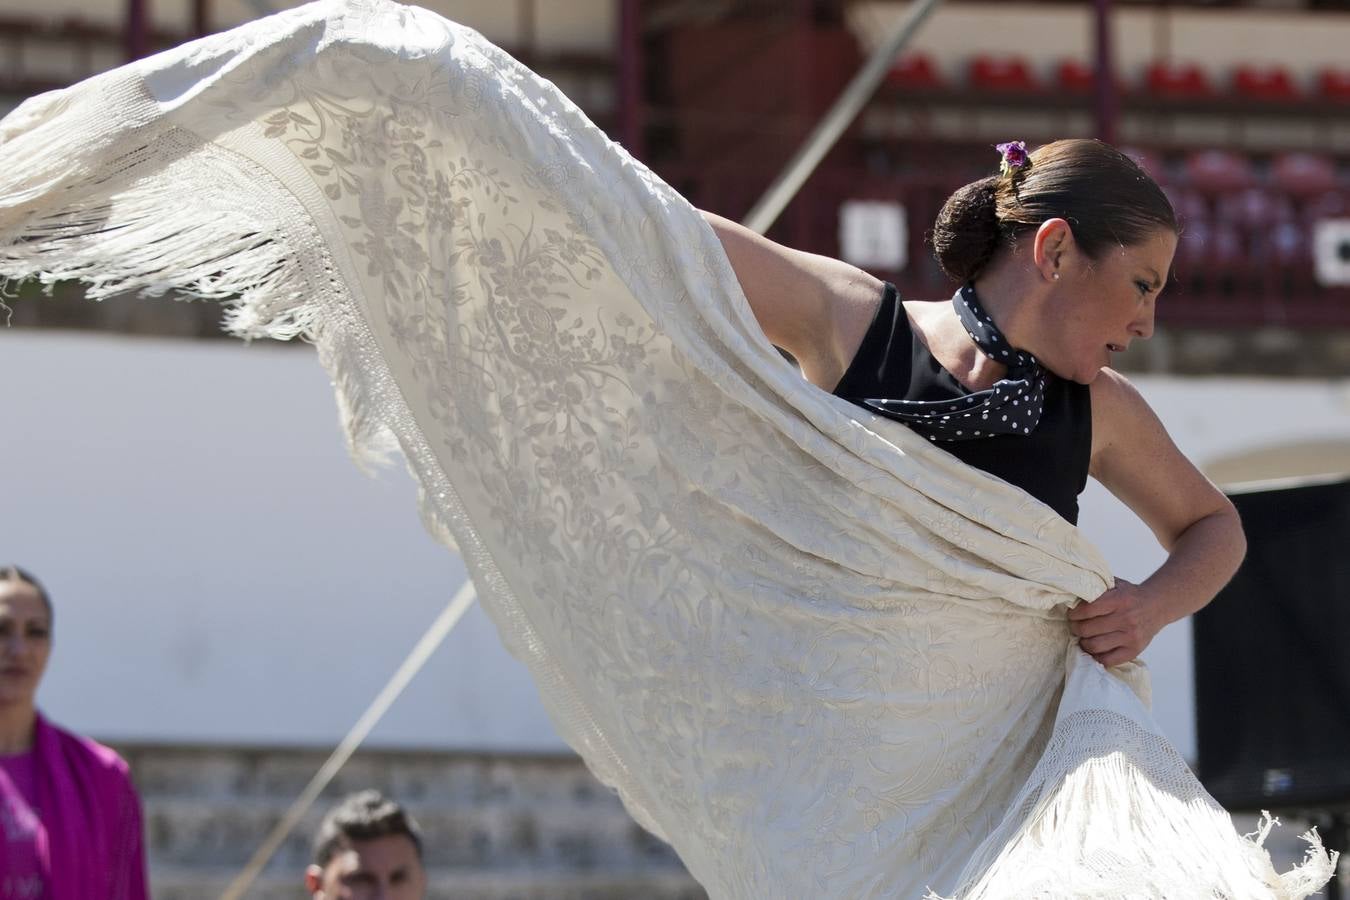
x,y
819,656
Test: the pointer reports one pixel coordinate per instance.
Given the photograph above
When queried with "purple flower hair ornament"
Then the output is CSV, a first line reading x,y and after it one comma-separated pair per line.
x,y
1014,155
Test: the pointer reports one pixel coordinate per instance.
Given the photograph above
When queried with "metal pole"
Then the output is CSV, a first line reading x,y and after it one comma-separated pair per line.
x,y
427,645
525,22
799,223
832,126
630,76
1108,105
137,26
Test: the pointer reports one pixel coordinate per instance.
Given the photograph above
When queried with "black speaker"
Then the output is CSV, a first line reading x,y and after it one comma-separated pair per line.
x,y
1272,657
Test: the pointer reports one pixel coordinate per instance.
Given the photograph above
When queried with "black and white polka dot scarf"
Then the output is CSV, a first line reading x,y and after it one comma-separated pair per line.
x,y
1012,406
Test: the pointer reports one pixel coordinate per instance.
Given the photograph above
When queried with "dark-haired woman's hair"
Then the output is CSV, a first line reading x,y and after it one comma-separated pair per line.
x,y
1106,198
14,573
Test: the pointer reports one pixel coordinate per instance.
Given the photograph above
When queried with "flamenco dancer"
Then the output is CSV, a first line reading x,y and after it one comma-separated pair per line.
x,y
831,632
1012,375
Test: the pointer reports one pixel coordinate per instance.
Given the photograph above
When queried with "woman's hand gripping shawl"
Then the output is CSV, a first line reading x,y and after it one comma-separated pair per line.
x,y
818,655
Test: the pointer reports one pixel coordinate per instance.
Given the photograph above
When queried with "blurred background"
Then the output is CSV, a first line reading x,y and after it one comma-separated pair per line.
x,y
232,592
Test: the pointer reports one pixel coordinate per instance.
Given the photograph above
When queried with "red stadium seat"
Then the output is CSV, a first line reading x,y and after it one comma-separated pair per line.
x,y
1010,73
1150,162
1210,244
1219,170
1290,245
1270,83
1303,175
1190,206
915,72
1078,77
1226,247
1177,80
1193,243
1255,208
1334,84
1075,76
1211,256
1331,205
1208,249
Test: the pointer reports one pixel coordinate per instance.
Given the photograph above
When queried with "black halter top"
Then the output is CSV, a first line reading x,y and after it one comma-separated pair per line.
x,y
1051,463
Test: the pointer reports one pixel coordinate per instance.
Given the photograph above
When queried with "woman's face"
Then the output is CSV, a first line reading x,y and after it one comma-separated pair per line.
x,y
25,641
1100,306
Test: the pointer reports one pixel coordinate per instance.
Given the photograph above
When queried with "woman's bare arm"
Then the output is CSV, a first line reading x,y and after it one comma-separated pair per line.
x,y
812,306
1135,459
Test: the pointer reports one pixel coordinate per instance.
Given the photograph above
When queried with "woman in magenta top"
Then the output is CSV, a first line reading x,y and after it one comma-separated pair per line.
x,y
70,821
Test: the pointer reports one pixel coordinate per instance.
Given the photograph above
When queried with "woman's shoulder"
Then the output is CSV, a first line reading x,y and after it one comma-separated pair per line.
x,y
89,752
1117,409
1113,393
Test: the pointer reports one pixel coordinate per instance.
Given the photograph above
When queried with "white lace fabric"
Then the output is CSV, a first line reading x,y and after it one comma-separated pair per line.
x,y
820,656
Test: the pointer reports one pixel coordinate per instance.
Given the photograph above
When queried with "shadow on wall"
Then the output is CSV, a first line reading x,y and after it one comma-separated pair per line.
x,y
1302,459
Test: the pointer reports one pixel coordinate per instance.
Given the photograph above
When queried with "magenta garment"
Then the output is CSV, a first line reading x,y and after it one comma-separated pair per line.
x,y
91,819
23,851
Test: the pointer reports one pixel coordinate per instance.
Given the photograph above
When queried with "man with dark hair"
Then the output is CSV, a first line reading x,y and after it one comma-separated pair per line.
x,y
367,848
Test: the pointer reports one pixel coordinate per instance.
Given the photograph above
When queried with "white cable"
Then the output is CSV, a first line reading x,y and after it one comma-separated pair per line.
x,y
844,111
433,638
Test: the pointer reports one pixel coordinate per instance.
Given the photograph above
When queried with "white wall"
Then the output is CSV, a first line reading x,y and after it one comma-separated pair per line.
x,y
222,572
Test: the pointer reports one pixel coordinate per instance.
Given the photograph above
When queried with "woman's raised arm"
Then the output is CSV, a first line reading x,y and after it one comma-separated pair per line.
x,y
812,306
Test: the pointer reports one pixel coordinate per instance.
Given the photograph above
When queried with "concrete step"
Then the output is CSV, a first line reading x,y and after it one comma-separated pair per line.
x,y
190,831
452,884
494,827
412,776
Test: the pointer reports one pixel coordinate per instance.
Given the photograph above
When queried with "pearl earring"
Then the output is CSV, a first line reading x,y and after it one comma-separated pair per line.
x,y
1055,276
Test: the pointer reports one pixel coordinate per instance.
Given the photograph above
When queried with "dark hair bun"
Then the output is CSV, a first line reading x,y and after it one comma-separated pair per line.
x,y
1108,200
966,232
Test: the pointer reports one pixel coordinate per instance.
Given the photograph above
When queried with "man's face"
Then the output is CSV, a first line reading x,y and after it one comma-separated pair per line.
x,y
386,868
